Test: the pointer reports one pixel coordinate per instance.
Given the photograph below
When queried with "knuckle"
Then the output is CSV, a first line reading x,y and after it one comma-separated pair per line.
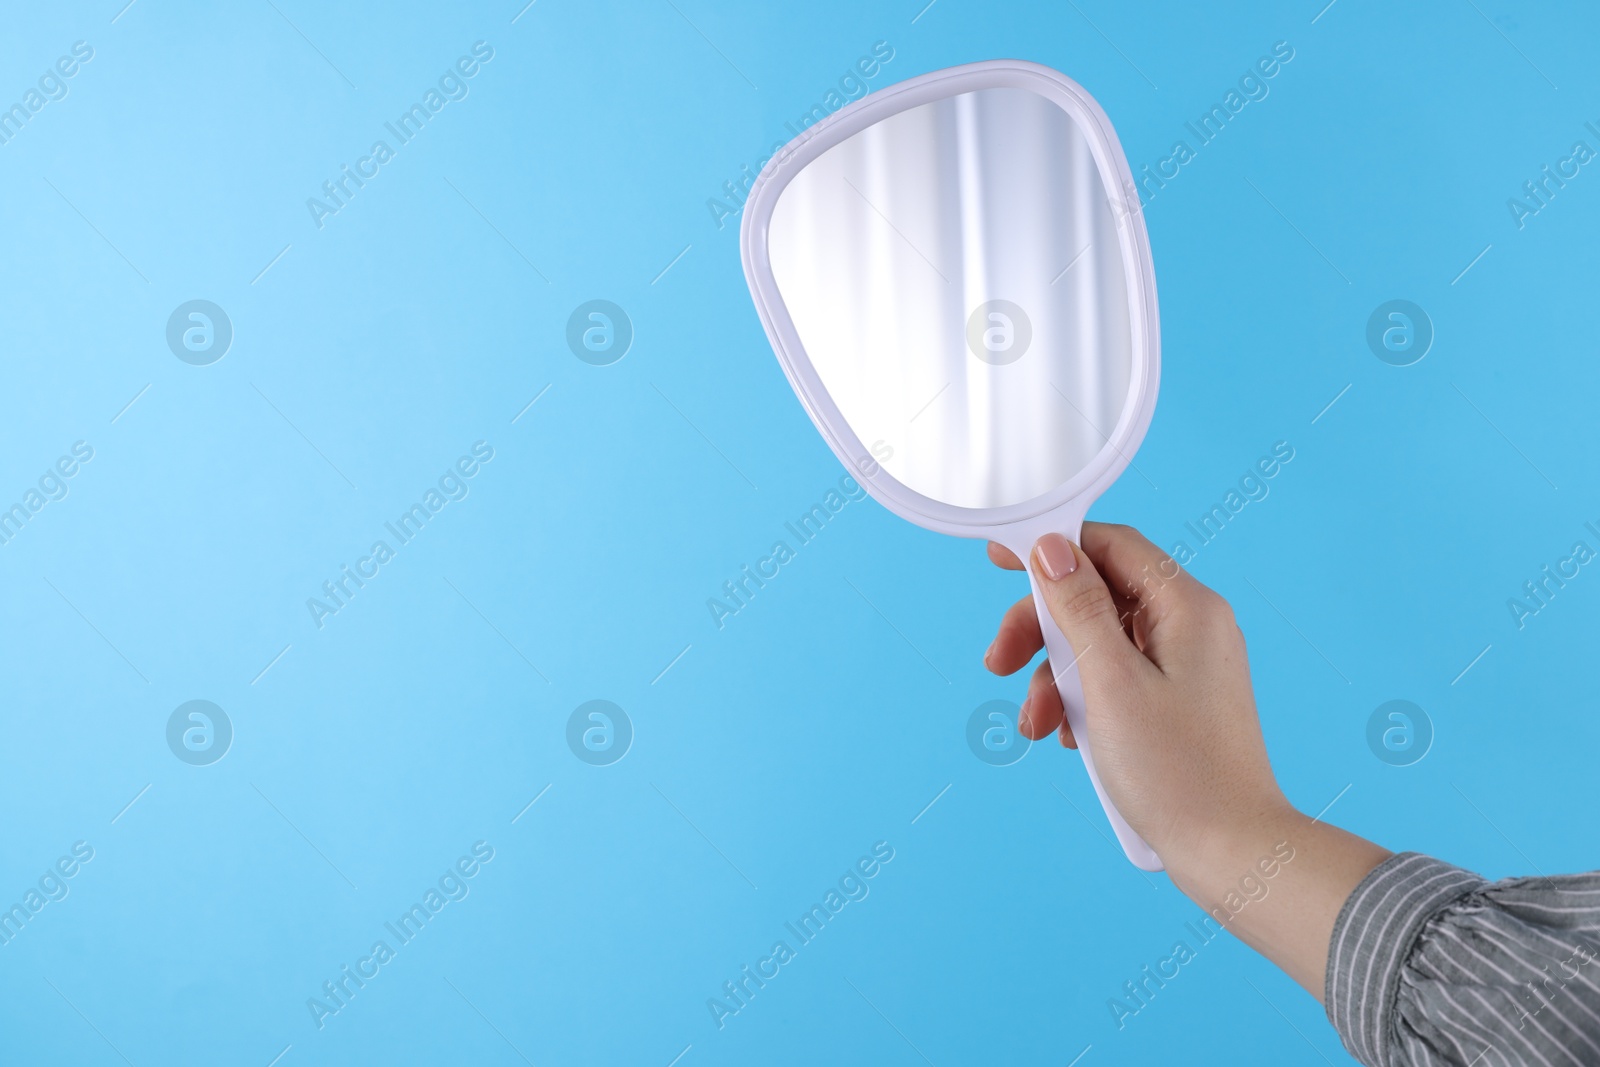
x,y
1087,603
1110,533
1215,617
1219,610
1198,611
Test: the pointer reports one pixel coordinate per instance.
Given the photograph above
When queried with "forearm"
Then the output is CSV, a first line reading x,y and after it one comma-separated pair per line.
x,y
1277,881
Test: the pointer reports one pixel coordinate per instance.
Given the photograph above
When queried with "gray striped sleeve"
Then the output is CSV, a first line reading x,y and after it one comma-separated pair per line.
x,y
1432,965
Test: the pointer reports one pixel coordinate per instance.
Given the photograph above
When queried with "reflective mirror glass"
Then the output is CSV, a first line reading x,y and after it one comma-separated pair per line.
x,y
955,275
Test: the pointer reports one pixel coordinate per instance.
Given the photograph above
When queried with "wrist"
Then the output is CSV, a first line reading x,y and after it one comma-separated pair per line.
x,y
1229,856
1276,881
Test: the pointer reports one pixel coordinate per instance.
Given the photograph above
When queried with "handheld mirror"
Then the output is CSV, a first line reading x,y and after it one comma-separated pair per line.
x,y
955,275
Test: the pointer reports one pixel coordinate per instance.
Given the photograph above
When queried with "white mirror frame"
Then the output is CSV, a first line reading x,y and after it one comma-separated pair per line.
x,y
1017,525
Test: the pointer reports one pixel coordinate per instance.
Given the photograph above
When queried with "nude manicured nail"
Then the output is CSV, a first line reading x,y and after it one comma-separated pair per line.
x,y
989,652
1056,556
1024,723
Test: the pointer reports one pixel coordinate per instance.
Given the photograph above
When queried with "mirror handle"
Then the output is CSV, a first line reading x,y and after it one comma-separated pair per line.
x,y
1070,686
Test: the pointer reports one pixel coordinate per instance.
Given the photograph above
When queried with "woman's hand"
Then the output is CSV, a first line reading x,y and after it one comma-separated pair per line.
x,y
1172,722
1172,718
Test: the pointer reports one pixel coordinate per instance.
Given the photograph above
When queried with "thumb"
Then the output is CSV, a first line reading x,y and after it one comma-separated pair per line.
x,y
1081,604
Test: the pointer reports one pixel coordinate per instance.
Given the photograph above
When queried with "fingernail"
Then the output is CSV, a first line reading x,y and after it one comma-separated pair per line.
x,y
989,652
1024,722
1056,556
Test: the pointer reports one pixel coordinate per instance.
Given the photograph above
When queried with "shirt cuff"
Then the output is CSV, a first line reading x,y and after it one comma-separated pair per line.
x,y
1372,938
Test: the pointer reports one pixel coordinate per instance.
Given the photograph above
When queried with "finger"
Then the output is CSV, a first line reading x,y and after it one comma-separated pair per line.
x,y
1138,572
1127,609
1041,709
1018,640
1042,689
1001,556
1082,606
1135,619
1065,734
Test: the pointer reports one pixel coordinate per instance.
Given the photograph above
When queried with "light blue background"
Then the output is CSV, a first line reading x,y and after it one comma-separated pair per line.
x,y
777,750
